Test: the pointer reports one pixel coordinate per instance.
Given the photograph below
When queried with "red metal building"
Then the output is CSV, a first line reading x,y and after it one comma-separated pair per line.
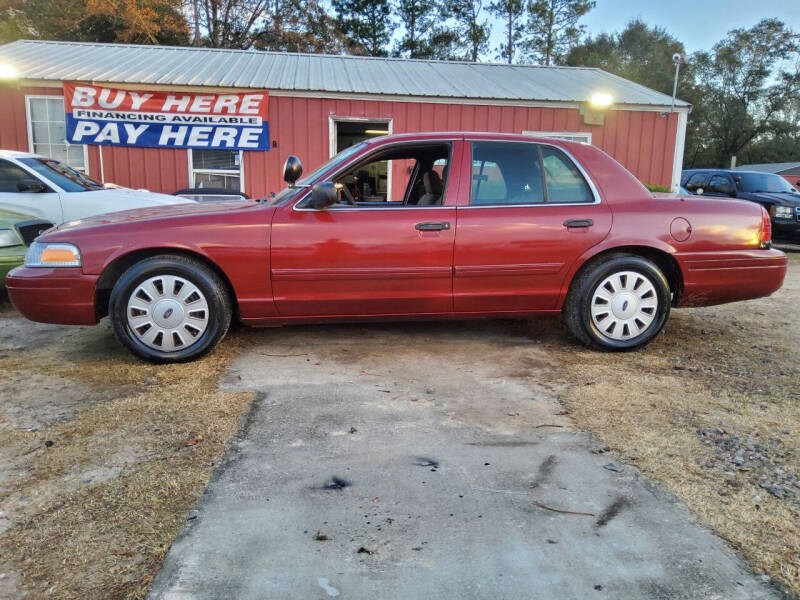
x,y
320,104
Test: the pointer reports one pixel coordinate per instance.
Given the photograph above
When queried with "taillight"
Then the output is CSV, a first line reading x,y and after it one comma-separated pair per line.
x,y
766,229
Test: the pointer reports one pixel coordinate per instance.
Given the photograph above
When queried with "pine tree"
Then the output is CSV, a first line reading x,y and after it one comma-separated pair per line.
x,y
418,18
553,28
367,25
511,12
471,31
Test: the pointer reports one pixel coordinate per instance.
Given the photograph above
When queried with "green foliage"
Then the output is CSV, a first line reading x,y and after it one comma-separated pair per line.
x,y
511,13
367,24
553,28
657,188
471,31
746,83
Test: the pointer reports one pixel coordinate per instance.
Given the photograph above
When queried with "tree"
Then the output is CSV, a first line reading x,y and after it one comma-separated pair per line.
x,y
746,80
130,21
511,13
417,18
553,27
231,23
639,52
300,26
367,25
471,32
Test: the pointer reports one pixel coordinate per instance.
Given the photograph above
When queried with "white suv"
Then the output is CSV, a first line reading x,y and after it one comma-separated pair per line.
x,y
50,190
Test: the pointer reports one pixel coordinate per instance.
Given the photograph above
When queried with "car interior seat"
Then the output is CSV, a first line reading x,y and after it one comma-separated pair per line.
x,y
433,189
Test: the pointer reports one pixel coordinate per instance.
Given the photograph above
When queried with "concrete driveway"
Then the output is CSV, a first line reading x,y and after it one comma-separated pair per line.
x,y
429,461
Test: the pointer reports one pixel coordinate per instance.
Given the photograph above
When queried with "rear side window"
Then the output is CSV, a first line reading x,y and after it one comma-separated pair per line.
x,y
565,184
506,173
695,181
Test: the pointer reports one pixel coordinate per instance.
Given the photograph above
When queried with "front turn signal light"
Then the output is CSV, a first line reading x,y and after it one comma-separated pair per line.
x,y
42,254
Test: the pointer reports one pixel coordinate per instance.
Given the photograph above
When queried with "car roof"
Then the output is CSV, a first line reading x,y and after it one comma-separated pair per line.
x,y
452,135
729,171
17,154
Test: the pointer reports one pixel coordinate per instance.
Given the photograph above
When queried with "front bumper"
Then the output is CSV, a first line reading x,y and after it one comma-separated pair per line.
x,y
786,229
64,296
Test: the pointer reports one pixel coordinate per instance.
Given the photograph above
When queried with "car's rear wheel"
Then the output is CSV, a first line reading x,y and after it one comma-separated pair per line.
x,y
620,302
170,309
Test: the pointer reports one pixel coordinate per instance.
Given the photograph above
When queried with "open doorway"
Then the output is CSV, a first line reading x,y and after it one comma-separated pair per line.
x,y
346,132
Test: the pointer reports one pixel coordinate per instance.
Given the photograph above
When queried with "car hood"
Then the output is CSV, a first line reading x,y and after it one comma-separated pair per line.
x,y
156,212
134,198
9,218
778,198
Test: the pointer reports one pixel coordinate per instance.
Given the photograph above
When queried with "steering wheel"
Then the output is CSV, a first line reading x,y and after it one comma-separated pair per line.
x,y
347,196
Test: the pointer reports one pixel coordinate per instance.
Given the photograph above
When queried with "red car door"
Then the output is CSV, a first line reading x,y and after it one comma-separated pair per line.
x,y
530,211
389,258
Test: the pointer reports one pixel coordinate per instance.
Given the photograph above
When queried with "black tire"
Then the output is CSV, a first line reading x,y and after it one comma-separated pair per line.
x,y
577,307
211,285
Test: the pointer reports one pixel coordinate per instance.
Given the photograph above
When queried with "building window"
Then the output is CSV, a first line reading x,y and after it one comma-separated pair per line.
x,y
584,137
216,169
47,131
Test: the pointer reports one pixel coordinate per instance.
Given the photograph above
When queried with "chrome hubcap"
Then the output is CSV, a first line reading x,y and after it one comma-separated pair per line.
x,y
624,305
167,313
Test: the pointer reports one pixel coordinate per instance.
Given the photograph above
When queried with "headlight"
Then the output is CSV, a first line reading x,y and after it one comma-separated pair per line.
x,y
9,237
784,212
42,254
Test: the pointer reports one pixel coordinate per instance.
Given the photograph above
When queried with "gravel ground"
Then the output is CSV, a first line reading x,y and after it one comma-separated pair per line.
x,y
101,457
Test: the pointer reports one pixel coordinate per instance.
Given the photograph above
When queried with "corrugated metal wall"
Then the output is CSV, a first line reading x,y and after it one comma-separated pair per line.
x,y
642,141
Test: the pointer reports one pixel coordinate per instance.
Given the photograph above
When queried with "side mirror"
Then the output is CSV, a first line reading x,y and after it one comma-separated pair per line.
x,y
33,186
324,195
292,169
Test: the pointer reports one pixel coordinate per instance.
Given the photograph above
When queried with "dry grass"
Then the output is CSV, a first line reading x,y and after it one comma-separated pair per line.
x,y
93,513
732,368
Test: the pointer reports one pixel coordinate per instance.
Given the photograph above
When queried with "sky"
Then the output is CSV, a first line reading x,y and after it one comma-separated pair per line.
x,y
699,24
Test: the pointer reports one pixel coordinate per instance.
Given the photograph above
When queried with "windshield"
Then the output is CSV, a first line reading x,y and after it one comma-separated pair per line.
x,y
67,178
763,182
290,191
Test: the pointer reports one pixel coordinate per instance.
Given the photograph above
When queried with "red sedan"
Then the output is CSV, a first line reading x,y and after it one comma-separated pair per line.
x,y
439,225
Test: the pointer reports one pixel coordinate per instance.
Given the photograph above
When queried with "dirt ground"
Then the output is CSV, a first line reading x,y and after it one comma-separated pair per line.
x,y
102,457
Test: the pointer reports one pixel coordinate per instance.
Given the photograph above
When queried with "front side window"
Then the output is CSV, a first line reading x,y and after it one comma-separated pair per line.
x,y
11,176
49,132
216,169
64,176
720,184
402,176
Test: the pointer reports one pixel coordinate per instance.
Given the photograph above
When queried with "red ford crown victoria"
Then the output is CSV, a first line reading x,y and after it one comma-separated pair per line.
x,y
435,225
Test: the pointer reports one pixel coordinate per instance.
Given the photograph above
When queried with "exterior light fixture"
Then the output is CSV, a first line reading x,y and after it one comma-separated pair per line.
x,y
376,131
601,100
7,71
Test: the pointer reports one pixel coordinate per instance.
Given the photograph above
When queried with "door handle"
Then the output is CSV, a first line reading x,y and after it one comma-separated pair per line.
x,y
431,226
578,223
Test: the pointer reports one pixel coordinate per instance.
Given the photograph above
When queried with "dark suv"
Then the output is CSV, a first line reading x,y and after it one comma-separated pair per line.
x,y
773,192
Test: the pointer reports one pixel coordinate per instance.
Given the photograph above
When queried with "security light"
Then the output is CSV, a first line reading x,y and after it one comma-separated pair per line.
x,y
601,100
7,71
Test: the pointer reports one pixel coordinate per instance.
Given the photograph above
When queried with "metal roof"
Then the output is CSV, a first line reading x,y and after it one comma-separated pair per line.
x,y
771,167
207,67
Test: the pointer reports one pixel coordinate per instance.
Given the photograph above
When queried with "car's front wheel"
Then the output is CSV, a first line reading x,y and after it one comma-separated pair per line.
x,y
618,303
170,309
